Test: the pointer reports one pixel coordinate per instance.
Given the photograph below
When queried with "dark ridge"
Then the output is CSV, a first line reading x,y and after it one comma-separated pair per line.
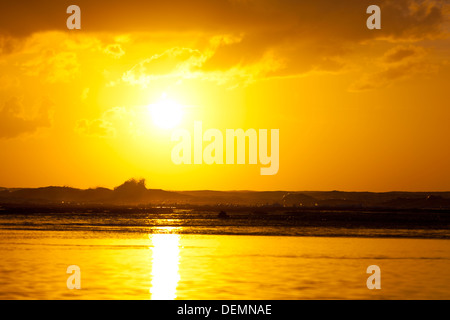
x,y
134,192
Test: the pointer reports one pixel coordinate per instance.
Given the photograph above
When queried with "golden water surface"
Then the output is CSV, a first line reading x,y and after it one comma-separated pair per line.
x,y
168,265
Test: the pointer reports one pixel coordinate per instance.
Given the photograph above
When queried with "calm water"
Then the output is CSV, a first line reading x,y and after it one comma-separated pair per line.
x,y
167,263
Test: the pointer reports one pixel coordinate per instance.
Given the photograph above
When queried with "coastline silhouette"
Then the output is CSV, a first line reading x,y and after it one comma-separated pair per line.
x,y
135,192
261,209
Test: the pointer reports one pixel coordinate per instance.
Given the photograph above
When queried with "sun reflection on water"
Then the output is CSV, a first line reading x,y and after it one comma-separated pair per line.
x,y
165,269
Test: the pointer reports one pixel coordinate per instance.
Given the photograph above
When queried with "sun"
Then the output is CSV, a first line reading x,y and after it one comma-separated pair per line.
x,y
166,113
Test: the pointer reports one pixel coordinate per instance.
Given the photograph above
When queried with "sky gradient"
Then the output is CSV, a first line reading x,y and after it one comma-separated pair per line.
x,y
357,109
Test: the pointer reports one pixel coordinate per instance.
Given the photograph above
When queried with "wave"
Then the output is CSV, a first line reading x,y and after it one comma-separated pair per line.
x,y
209,223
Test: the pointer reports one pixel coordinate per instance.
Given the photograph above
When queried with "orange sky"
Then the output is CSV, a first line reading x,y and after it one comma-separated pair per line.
x,y
357,109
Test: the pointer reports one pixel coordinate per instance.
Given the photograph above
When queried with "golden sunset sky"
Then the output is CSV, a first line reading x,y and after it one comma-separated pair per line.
x,y
357,109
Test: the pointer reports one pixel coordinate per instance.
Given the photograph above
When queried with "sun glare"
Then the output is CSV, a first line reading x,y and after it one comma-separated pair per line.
x,y
166,113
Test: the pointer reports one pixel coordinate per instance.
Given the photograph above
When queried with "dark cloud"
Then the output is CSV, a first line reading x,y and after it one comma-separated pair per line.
x,y
396,64
401,53
272,38
288,18
14,122
9,44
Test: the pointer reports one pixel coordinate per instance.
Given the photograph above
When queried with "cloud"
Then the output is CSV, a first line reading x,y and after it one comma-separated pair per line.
x,y
402,53
175,62
190,63
114,50
233,41
14,122
96,127
401,18
398,63
284,38
108,124
52,66
319,36
57,56
9,44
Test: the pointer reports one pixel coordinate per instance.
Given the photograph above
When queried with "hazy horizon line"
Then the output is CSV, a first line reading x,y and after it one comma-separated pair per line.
x,y
233,190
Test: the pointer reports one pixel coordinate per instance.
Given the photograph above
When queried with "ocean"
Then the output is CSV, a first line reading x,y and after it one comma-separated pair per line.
x,y
150,256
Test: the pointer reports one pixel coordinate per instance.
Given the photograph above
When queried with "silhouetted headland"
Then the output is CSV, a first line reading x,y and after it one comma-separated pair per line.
x,y
387,210
135,192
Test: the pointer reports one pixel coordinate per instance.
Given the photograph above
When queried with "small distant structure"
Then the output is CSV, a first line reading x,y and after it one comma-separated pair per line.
x,y
223,215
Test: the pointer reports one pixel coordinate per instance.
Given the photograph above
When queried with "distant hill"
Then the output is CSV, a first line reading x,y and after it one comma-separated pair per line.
x,y
135,192
130,192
